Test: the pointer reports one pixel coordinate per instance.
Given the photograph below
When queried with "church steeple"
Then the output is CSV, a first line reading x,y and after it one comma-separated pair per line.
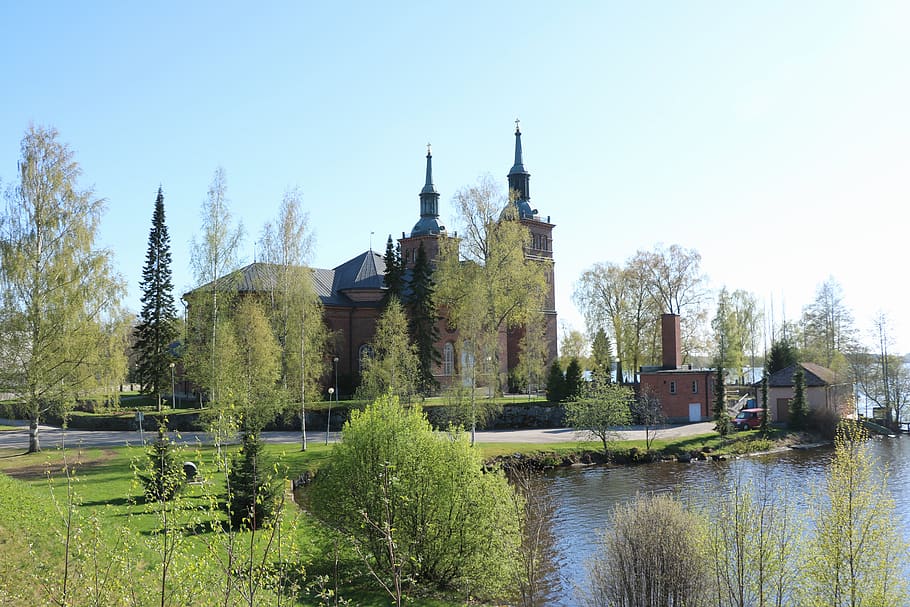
x,y
429,204
520,180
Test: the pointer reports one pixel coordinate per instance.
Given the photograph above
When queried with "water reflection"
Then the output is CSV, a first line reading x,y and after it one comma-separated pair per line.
x,y
583,498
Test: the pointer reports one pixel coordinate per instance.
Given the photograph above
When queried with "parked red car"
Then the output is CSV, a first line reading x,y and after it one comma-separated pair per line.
x,y
748,419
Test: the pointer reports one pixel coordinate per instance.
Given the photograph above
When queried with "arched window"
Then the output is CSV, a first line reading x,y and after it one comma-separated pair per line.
x,y
448,359
467,362
365,352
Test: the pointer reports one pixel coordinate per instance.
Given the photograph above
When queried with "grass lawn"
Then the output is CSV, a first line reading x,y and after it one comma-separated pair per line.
x,y
33,492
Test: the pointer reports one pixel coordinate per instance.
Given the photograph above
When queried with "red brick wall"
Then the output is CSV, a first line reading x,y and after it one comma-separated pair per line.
x,y
676,406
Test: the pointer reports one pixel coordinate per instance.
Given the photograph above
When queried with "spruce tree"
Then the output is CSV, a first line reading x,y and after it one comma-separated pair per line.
x,y
156,329
782,355
721,419
602,353
573,380
765,417
423,317
255,489
394,269
799,410
556,383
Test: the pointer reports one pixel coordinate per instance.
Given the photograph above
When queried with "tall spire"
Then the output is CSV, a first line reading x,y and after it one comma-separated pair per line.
x,y
520,180
429,204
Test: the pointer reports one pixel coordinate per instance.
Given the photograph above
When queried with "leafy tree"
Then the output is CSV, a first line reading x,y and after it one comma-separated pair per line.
x,y
417,505
156,329
394,269
881,376
782,355
827,328
650,557
214,258
753,537
423,317
556,383
602,296
532,359
62,331
295,310
799,409
600,409
855,555
255,387
485,281
602,354
720,415
728,334
675,278
648,411
394,365
574,345
163,476
573,383
255,486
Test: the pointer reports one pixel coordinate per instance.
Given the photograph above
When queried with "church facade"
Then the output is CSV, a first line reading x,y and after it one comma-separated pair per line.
x,y
352,293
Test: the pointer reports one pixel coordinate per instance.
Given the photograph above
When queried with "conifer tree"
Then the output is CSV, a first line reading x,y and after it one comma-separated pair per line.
x,y
602,353
573,380
156,329
556,383
394,269
255,488
423,317
765,418
799,410
721,419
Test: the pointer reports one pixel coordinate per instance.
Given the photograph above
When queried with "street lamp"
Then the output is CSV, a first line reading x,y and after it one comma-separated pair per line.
x,y
332,391
173,391
328,420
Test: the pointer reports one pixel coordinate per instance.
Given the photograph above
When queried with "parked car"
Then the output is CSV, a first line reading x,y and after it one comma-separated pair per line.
x,y
748,419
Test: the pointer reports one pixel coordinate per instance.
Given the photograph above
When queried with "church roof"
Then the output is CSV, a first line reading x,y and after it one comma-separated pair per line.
x,y
366,272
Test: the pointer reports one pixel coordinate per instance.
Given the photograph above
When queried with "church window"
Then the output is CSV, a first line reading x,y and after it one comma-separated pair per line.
x,y
448,359
365,352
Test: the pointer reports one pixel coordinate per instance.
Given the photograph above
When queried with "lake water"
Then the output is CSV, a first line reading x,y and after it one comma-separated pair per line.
x,y
582,499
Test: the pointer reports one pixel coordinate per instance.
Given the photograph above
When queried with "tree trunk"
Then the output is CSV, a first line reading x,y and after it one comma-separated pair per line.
x,y
33,445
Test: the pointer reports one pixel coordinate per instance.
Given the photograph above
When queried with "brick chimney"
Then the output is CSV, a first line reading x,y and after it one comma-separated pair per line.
x,y
671,341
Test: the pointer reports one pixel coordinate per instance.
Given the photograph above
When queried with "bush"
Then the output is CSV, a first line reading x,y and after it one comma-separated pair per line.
x,y
650,557
418,505
823,422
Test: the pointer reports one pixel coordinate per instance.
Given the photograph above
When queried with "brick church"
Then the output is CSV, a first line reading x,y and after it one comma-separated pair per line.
x,y
352,293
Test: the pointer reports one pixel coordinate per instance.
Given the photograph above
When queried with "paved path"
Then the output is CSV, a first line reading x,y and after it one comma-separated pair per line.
x,y
52,437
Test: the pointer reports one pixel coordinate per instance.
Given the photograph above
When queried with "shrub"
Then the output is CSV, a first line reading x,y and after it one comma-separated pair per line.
x,y
418,505
163,476
651,556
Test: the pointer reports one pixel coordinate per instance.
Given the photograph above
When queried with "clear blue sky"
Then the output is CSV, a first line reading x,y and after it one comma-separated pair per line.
x,y
770,136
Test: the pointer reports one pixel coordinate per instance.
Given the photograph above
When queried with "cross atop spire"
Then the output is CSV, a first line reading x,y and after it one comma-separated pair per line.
x,y
516,125
429,150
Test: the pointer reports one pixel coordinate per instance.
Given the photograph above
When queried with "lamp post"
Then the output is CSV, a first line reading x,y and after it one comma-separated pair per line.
x,y
328,419
173,390
332,391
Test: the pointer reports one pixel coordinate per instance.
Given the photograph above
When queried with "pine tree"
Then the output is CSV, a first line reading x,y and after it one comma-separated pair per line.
x,y
423,317
163,477
782,355
602,353
254,487
721,419
556,383
765,418
394,269
799,410
573,380
156,329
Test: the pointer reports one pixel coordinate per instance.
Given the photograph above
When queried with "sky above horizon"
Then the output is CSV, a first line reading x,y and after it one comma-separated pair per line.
x,y
772,137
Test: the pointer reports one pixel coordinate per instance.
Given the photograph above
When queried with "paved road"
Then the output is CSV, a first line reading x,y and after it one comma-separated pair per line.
x,y
52,437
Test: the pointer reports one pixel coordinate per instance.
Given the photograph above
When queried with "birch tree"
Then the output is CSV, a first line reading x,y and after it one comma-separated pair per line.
x,y
213,257
60,316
